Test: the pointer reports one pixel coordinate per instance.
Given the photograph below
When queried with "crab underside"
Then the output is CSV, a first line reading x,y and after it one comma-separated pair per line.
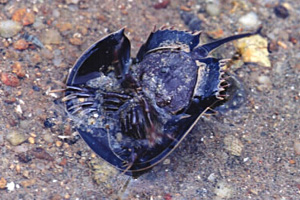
x,y
134,112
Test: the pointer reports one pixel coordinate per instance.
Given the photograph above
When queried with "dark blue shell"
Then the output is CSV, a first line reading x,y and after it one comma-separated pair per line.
x,y
135,112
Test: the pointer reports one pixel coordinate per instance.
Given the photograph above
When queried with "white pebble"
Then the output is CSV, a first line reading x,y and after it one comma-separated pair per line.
x,y
9,28
213,7
10,186
250,21
223,190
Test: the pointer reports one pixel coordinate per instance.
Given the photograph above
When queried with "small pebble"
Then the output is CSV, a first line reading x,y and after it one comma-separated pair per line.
x,y
76,41
191,20
281,11
297,147
9,79
56,13
67,196
102,171
23,16
36,88
46,53
31,140
223,190
167,161
11,186
17,68
292,161
213,7
9,28
48,138
21,44
26,174
264,83
233,145
63,162
250,21
41,153
2,183
15,138
62,27
25,123
38,24
28,183
212,177
58,143
18,169
48,123
51,36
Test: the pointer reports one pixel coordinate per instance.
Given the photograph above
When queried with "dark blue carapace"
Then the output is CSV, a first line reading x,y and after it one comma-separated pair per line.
x,y
133,112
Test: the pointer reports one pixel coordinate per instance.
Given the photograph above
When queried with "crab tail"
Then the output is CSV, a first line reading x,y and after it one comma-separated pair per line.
x,y
204,50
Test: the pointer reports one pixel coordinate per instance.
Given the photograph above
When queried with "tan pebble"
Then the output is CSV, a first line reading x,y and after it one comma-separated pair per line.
x,y
51,36
48,138
83,30
254,49
56,197
64,26
282,44
12,166
58,143
254,191
38,74
67,196
20,44
28,183
2,183
5,43
35,58
31,140
17,68
25,174
33,135
66,145
15,138
76,41
18,168
233,145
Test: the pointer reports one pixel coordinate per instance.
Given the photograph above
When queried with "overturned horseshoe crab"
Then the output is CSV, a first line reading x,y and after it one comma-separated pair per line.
x,y
133,112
